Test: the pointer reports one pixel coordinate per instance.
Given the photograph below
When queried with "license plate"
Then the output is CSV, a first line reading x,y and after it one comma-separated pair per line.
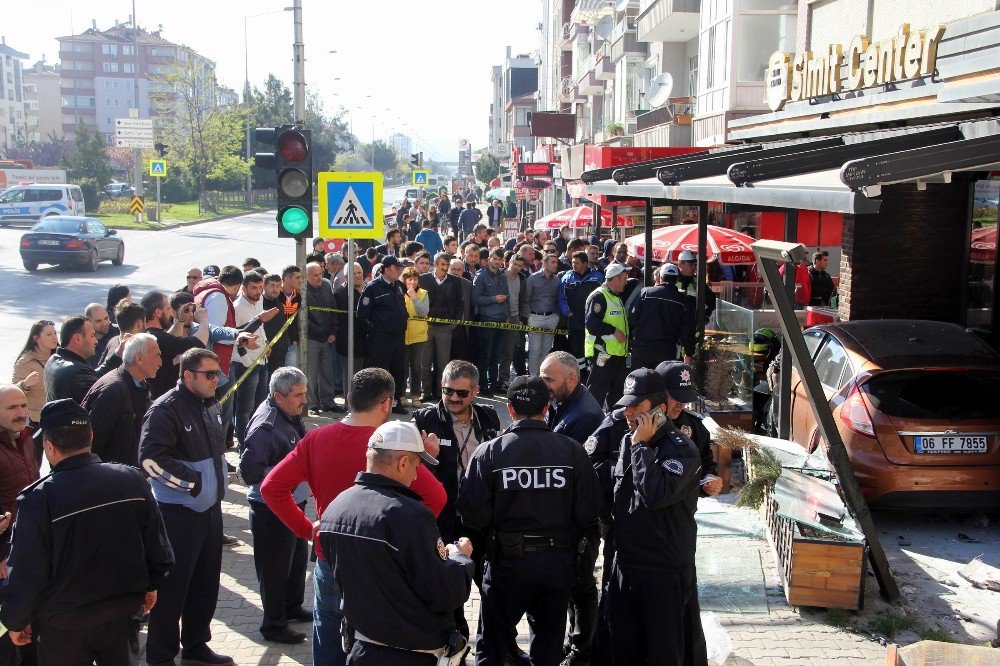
x,y
48,242
950,443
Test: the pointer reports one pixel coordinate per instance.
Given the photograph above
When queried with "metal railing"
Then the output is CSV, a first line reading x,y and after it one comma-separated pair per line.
x,y
235,200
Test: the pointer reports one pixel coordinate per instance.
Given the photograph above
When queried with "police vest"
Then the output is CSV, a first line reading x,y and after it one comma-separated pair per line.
x,y
614,315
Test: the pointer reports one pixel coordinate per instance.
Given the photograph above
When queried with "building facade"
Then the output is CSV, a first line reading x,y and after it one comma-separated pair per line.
x,y
12,119
42,102
514,88
402,144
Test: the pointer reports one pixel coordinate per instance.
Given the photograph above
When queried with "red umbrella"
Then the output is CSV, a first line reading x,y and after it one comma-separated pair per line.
x,y
984,245
726,245
579,217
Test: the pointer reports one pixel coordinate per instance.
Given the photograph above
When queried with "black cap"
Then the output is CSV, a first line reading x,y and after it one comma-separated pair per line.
x,y
210,271
391,261
61,413
528,396
678,379
639,385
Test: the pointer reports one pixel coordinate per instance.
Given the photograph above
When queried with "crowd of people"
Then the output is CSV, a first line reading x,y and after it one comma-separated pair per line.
x,y
117,423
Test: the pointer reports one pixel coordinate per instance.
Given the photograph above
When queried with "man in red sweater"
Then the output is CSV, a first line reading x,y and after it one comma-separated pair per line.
x,y
329,459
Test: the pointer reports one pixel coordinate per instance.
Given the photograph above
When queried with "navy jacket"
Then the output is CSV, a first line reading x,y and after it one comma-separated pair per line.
x,y
88,544
399,586
578,417
271,435
383,307
603,449
181,450
660,319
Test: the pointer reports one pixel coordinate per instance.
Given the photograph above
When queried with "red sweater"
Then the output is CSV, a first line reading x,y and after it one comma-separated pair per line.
x,y
329,460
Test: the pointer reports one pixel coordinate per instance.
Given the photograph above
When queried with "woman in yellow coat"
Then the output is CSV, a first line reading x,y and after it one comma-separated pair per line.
x,y
417,305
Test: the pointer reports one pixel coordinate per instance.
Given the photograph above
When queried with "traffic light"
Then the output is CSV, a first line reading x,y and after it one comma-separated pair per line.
x,y
291,162
161,149
416,160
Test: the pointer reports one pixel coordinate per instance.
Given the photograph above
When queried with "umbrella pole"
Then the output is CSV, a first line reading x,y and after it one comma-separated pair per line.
x,y
647,266
702,269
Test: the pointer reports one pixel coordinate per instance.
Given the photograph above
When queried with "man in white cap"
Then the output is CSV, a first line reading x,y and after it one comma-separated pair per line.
x,y
400,583
605,344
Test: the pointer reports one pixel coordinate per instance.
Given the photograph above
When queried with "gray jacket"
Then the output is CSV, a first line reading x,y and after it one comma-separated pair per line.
x,y
485,288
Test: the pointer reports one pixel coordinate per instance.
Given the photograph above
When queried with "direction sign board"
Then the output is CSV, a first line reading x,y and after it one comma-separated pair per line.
x,y
133,133
137,123
122,142
158,168
350,205
420,178
136,206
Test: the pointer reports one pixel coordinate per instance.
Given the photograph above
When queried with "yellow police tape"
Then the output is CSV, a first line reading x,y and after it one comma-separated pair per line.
x,y
259,359
502,325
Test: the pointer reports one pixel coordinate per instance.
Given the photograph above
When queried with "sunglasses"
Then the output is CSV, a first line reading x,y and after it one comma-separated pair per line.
x,y
209,374
192,277
461,393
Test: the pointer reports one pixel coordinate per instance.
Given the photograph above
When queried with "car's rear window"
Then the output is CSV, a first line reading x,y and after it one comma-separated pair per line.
x,y
936,395
59,225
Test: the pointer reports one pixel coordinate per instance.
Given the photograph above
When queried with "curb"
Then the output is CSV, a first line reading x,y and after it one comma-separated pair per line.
x,y
175,225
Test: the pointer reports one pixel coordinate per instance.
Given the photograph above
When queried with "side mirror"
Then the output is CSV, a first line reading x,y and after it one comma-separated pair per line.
x,y
112,232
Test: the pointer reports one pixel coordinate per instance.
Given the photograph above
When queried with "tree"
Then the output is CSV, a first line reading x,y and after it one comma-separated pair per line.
x,y
49,152
383,155
88,165
330,134
352,162
487,168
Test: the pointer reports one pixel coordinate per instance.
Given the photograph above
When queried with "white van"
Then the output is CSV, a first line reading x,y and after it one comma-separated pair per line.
x,y
30,203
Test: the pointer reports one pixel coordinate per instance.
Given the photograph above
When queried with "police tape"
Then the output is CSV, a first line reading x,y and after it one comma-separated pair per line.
x,y
257,361
502,325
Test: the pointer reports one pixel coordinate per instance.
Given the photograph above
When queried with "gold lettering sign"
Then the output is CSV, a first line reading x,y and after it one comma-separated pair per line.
x,y
802,76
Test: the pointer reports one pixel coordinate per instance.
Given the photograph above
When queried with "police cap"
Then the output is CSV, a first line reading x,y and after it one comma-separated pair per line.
x,y
528,396
677,377
639,385
60,414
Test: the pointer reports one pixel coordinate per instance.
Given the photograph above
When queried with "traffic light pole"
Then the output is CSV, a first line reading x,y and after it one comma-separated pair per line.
x,y
299,99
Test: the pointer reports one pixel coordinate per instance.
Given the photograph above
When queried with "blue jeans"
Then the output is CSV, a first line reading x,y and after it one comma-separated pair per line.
x,y
490,346
327,616
249,395
292,355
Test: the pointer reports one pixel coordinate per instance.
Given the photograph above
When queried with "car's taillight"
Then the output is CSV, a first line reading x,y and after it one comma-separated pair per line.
x,y
855,415
74,244
26,243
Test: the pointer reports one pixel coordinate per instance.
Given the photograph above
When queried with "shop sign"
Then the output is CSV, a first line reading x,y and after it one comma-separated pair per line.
x,y
797,77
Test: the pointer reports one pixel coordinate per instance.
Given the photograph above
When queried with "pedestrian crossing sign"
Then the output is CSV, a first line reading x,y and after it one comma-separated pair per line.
x,y
158,168
420,178
350,205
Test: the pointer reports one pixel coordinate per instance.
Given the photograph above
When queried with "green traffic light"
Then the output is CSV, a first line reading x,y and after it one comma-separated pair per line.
x,y
294,220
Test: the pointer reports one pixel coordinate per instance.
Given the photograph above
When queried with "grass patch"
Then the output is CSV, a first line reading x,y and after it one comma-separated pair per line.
x,y
178,212
890,623
937,634
838,617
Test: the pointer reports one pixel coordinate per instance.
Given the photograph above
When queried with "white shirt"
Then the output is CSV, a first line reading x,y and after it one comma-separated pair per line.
x,y
245,312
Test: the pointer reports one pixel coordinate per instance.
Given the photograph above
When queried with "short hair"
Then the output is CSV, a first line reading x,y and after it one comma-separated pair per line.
x,y
582,256
497,252
252,277
333,258
820,254
575,243
392,232
376,459
370,387
427,222
458,369
371,253
69,328
192,358
411,247
135,346
285,379
230,276
442,255
272,277
261,271
421,255
115,294
156,299
409,272
67,439
251,262
448,239
482,226
88,311
290,270
658,398
566,360
177,301
128,315
315,258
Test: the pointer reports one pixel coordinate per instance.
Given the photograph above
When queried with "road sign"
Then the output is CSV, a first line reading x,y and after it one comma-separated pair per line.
x,y
133,143
350,205
136,206
134,133
521,193
158,168
137,123
420,178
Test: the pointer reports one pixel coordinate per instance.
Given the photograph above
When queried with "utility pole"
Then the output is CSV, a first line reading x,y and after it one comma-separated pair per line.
x,y
299,102
136,152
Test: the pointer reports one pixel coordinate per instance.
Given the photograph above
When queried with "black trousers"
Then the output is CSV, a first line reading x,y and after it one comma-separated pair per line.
x,y
537,584
114,643
369,654
388,352
654,619
650,358
280,559
583,604
185,602
608,380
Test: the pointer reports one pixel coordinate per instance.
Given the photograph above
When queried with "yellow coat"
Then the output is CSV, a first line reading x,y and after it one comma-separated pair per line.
x,y
416,330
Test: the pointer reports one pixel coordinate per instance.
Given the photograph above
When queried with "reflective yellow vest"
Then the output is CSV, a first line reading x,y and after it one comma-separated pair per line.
x,y
614,314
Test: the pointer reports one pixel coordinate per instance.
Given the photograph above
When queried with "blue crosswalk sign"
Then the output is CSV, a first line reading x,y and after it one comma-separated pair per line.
x,y
420,178
350,205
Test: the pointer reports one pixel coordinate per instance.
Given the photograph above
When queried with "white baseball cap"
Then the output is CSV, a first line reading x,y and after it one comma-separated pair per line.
x,y
400,436
613,270
687,255
666,270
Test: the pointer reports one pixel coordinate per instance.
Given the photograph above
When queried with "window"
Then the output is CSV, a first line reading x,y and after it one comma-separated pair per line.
x,y
108,120
110,49
13,196
128,68
107,84
95,227
83,65
117,102
32,104
76,193
813,338
110,66
128,49
521,115
830,364
721,64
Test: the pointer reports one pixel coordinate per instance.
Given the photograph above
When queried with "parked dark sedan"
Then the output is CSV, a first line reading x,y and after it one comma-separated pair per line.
x,y
65,239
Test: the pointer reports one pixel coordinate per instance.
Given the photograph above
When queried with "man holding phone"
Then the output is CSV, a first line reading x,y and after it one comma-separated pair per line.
x,y
678,378
652,599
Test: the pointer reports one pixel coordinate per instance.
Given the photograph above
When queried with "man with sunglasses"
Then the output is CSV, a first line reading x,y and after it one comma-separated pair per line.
x,y
181,450
193,278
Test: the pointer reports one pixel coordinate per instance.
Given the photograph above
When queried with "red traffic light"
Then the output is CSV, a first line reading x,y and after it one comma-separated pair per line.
x,y
292,146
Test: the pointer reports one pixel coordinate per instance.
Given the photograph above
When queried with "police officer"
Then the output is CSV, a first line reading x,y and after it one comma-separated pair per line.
x,y
574,288
652,599
687,264
661,318
535,495
606,341
89,551
400,583
678,377
383,309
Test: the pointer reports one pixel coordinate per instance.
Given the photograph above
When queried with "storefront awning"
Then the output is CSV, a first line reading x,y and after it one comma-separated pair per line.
x,y
841,174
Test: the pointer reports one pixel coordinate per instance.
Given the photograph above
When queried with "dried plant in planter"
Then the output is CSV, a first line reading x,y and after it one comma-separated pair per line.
x,y
714,364
766,470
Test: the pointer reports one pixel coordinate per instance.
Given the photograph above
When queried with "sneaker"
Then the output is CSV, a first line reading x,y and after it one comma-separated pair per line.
x,y
287,636
229,541
204,656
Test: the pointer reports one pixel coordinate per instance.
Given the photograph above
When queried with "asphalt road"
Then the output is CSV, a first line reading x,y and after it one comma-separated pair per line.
x,y
153,260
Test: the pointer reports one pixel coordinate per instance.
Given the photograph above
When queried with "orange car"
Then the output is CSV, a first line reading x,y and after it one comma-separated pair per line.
x,y
917,404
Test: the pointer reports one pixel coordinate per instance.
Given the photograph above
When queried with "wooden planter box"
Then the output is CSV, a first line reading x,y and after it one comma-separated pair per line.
x,y
816,572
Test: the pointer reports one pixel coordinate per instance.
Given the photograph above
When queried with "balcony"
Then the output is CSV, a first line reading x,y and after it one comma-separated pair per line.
x,y
624,42
679,111
589,84
565,43
604,70
668,20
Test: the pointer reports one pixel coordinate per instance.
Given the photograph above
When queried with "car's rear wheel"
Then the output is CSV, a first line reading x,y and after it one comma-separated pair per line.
x,y
91,264
30,266
120,257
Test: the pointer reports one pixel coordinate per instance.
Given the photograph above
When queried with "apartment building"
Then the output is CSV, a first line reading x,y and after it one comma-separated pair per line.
x,y
11,95
514,86
42,102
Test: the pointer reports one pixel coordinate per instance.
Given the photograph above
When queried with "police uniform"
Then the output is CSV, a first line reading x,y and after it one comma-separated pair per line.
x,y
605,313
400,586
383,306
661,319
679,381
536,496
88,544
652,598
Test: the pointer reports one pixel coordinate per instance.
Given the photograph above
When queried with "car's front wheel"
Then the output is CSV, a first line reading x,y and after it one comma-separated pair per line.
x,y
120,257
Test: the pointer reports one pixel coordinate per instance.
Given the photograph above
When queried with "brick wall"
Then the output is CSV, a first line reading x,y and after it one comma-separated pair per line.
x,y
906,261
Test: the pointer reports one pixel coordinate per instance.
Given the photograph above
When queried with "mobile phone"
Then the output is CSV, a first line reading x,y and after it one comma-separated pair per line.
x,y
659,416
